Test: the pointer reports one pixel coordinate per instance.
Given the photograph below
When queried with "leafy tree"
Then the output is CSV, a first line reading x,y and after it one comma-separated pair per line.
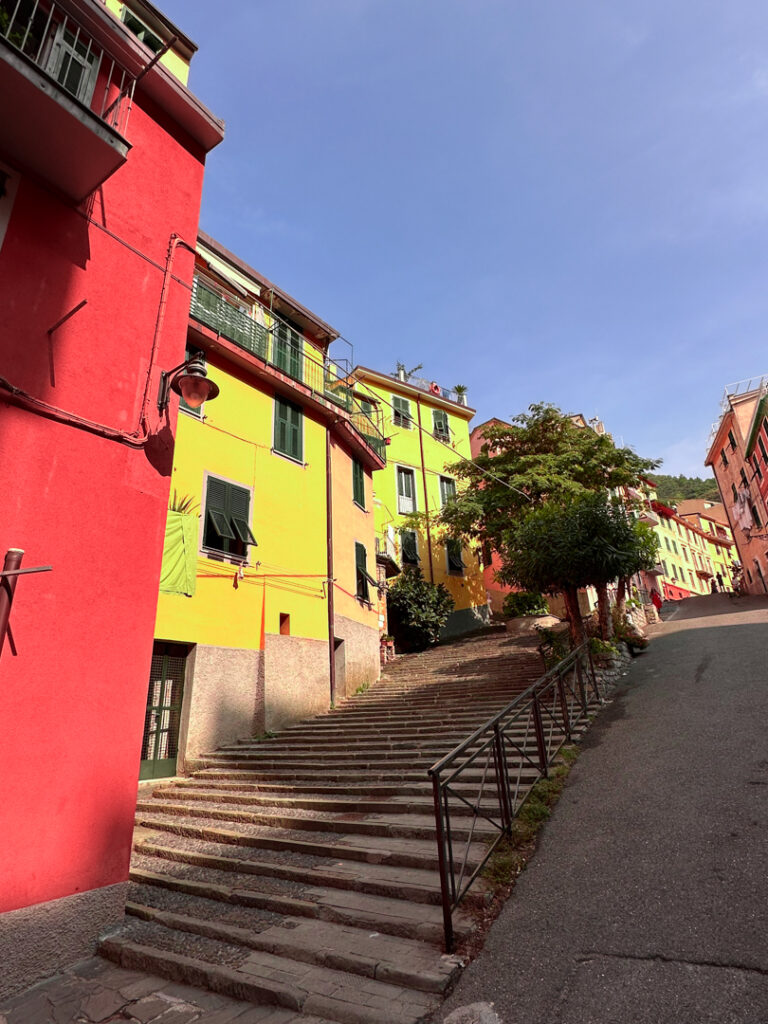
x,y
671,489
583,539
417,609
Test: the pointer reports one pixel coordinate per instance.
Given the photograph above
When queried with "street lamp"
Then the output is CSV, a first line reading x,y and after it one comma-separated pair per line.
x,y
189,380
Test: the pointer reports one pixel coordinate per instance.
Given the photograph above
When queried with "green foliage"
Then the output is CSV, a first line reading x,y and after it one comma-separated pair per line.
x,y
602,648
584,539
417,609
362,688
183,503
671,489
524,602
542,456
553,646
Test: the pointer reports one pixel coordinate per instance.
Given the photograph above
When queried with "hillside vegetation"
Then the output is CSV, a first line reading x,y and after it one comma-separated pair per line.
x,y
671,489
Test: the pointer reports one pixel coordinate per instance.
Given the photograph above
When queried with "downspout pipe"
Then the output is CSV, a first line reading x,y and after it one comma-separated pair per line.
x,y
329,565
426,499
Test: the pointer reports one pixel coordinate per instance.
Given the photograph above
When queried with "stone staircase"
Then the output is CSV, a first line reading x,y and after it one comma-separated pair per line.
x,y
301,871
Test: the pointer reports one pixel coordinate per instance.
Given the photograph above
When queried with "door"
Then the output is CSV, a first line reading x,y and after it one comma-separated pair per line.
x,y
160,744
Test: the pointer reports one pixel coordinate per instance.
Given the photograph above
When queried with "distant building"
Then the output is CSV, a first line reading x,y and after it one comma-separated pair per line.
x,y
427,429
738,455
103,151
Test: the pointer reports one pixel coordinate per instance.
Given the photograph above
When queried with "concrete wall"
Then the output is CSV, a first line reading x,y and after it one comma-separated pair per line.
x,y
465,620
39,941
362,663
223,699
296,679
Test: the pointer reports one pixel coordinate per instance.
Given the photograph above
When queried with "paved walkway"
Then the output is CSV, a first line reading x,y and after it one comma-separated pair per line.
x,y
647,902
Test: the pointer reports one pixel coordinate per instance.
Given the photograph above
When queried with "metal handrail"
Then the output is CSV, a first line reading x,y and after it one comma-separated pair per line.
x,y
282,347
529,731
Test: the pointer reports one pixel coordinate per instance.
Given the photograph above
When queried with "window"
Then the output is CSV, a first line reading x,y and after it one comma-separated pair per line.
x,y
744,481
756,464
666,570
674,547
72,63
723,457
755,516
358,483
227,515
406,490
685,552
734,492
455,561
285,624
732,440
761,446
289,430
141,31
666,541
674,572
409,546
401,415
440,426
364,578
287,350
447,490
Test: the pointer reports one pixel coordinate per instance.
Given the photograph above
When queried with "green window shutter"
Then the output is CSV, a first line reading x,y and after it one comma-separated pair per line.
x,y
288,355
406,499
455,561
401,415
447,490
440,424
410,547
358,483
361,562
227,517
288,429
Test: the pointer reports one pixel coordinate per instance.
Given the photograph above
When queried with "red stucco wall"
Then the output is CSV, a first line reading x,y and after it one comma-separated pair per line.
x,y
72,701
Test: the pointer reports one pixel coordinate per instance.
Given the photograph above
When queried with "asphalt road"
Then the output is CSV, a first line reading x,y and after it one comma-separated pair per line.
x,y
647,901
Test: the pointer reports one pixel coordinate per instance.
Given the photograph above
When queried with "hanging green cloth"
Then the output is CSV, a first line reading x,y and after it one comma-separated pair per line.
x,y
178,574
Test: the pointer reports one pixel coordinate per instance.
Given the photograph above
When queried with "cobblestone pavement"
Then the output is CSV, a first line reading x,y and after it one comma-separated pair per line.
x,y
96,992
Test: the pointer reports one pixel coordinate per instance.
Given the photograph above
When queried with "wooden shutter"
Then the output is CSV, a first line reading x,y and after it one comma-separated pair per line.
x,y
239,514
402,412
440,423
358,483
447,490
361,561
288,429
409,546
455,561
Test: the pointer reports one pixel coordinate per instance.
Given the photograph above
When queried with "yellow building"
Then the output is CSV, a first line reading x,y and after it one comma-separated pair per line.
x,y
427,430
268,608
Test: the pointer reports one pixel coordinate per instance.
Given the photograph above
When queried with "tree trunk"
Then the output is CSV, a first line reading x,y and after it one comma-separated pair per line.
x,y
621,599
604,611
575,625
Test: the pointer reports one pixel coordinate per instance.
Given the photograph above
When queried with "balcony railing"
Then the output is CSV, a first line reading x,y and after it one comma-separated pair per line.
x,y
433,388
282,347
52,40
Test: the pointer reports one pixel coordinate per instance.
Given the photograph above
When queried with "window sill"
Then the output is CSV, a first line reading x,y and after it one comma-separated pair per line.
x,y
361,507
224,556
289,458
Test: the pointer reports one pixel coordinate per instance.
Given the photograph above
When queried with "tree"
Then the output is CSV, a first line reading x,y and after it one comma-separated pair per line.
x,y
543,456
417,609
581,540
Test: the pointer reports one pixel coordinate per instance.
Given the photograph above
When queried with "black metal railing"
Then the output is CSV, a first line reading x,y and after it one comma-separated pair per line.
x,y
488,777
283,348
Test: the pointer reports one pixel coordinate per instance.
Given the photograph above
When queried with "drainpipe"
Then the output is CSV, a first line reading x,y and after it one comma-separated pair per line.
x,y
426,500
329,565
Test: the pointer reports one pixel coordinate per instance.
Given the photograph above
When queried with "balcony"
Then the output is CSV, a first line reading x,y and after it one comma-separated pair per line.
x,y
283,348
70,99
432,388
648,516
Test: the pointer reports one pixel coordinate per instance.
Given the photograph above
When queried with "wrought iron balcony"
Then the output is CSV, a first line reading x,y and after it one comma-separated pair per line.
x,y
286,350
70,98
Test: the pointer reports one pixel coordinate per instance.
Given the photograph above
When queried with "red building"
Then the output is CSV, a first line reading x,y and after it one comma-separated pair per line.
x,y
738,455
102,151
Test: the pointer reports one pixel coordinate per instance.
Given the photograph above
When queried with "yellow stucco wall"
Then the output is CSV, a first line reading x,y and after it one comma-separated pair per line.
x,y
351,523
287,517
405,449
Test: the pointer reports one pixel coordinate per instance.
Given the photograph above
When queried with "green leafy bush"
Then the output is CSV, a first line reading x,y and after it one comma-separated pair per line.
x,y
602,648
417,610
524,602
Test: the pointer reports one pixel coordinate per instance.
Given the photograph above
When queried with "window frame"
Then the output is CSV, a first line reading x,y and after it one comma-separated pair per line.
x,y
437,431
408,561
363,579
234,523
298,459
400,416
405,469
455,545
443,499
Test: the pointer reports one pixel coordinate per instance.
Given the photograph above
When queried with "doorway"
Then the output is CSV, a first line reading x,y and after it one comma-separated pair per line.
x,y
160,743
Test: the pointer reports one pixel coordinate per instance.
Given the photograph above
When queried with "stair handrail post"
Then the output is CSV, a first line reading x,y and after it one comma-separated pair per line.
x,y
502,778
540,741
582,685
12,562
563,705
442,861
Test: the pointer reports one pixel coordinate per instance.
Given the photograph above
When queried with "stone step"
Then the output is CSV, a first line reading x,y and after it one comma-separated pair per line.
x,y
331,775
359,823
255,782
417,853
246,797
263,978
356,950
239,896
271,869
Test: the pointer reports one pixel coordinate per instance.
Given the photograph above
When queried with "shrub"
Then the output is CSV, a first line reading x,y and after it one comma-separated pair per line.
x,y
602,648
524,602
417,609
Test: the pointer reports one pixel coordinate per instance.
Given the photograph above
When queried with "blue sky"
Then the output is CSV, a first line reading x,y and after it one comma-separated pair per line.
x,y
542,200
